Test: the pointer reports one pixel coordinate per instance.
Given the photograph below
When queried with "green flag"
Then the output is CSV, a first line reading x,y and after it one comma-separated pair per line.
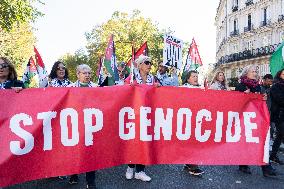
x,y
110,62
277,60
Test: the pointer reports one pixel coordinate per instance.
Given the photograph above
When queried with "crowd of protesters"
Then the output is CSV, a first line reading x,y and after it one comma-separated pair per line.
x,y
249,82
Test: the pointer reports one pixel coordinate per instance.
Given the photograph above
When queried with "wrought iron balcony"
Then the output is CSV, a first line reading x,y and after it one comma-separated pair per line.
x,y
265,23
280,18
234,33
247,54
235,8
249,2
248,28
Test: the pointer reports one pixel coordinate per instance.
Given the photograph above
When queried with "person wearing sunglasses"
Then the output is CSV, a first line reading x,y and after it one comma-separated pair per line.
x,y
142,73
163,77
59,76
8,76
122,73
141,76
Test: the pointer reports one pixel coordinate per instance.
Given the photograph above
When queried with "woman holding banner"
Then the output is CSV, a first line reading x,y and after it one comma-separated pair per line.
x,y
191,81
249,83
59,76
277,114
219,82
141,76
8,76
84,73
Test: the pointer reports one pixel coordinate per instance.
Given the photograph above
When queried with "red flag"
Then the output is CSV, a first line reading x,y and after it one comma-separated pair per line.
x,y
42,73
194,53
38,58
142,50
99,66
206,84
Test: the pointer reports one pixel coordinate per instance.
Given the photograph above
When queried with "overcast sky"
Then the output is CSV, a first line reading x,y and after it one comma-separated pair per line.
x,y
62,28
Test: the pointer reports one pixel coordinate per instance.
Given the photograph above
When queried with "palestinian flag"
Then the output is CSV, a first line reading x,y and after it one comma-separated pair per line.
x,y
142,50
193,60
42,73
277,60
194,54
110,62
100,72
29,73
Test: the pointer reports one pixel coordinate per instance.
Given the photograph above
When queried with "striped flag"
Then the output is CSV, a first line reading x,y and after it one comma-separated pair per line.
x,y
29,73
110,62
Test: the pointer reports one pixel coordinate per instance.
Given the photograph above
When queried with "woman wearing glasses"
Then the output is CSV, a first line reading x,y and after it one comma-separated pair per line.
x,y
8,76
59,75
59,78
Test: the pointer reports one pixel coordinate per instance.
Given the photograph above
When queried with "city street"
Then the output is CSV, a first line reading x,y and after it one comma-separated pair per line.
x,y
171,176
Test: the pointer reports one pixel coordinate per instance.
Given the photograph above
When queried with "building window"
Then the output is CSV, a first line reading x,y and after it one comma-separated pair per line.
x,y
281,37
249,2
235,6
249,24
264,17
235,30
249,45
235,48
282,7
265,41
228,73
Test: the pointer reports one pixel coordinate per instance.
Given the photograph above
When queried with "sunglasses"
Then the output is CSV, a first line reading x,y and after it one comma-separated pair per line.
x,y
147,63
61,68
2,66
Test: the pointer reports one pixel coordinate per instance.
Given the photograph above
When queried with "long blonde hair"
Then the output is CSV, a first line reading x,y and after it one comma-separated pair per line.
x,y
215,78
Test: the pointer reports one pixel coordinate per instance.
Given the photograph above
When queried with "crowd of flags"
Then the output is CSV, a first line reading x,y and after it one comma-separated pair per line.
x,y
35,67
107,64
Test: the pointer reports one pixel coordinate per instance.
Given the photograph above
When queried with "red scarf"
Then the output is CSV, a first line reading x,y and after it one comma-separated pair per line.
x,y
250,83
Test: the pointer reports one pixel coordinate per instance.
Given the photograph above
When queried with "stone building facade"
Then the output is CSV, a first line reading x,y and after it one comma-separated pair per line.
x,y
248,32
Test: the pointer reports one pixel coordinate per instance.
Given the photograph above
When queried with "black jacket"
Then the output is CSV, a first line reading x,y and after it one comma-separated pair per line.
x,y
277,101
14,83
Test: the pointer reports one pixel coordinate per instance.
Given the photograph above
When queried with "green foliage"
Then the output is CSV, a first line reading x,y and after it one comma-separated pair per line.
x,y
72,61
14,12
128,30
17,45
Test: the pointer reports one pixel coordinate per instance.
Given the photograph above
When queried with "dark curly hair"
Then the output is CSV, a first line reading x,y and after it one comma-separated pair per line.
x,y
184,81
277,77
12,71
53,74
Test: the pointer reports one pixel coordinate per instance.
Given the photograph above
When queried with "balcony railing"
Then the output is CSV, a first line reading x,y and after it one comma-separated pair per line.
x,y
280,18
235,8
247,54
248,28
234,33
249,2
265,23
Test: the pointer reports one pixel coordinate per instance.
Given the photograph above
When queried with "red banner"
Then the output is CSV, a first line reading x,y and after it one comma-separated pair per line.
x,y
62,131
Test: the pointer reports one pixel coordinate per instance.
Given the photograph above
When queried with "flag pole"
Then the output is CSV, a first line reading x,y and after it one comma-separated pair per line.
x,y
132,65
